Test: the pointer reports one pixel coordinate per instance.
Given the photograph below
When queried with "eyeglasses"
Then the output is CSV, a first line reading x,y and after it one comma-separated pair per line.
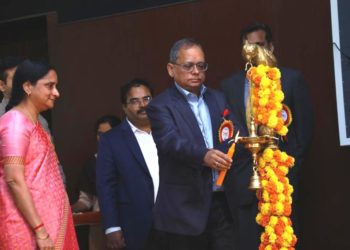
x,y
139,101
189,67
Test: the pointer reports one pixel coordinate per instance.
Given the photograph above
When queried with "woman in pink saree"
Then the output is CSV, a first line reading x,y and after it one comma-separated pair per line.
x,y
34,208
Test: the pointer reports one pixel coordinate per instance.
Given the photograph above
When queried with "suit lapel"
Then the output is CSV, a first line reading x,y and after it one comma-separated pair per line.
x,y
186,112
215,113
131,142
238,99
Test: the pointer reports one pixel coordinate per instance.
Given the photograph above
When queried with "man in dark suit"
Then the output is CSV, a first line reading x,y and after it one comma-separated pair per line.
x,y
128,173
296,143
190,212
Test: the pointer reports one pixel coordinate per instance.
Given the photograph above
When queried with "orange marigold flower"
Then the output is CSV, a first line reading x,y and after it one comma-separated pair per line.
x,y
287,209
265,238
294,240
273,198
256,79
271,74
262,247
279,240
264,220
274,247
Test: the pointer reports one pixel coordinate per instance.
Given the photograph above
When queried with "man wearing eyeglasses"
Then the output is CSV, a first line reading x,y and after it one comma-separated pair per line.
x,y
191,212
128,173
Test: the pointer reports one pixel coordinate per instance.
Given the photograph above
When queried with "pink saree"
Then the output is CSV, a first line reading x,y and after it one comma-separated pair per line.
x,y
21,141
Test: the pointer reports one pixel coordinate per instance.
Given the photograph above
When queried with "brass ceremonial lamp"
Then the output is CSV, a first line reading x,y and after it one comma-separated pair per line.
x,y
265,137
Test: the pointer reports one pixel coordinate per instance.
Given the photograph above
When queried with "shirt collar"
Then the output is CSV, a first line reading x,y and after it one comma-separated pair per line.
x,y
188,94
135,129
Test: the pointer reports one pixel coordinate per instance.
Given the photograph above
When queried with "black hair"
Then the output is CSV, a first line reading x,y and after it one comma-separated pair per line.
x,y
112,120
124,90
255,27
28,71
178,45
8,63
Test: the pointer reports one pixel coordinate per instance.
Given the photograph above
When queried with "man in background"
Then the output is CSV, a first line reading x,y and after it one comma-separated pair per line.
x,y
128,173
296,143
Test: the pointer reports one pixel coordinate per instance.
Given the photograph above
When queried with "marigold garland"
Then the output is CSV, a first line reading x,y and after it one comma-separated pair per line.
x,y
267,97
275,197
275,201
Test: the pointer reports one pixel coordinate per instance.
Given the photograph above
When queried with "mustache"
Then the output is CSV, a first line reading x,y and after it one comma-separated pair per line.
x,y
141,110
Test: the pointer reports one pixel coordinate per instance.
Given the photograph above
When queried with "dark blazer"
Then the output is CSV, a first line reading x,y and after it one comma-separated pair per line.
x,y
296,97
185,189
124,185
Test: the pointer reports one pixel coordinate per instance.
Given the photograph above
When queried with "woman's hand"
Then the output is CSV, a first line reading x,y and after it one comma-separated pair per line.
x,y
46,244
43,240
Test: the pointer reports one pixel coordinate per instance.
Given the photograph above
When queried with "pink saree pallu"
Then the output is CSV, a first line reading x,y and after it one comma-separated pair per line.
x,y
22,142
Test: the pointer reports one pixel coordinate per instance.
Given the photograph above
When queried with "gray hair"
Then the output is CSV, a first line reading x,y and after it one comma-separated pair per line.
x,y
178,45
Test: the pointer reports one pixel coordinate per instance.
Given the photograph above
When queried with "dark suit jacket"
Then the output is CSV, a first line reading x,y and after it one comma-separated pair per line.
x,y
296,98
185,189
124,185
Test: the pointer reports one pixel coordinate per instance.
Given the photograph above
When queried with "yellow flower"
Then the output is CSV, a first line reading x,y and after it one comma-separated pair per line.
x,y
272,238
263,183
278,106
269,172
272,121
274,163
287,237
269,230
268,154
283,131
279,208
265,82
274,179
281,198
263,101
284,156
265,208
289,229
262,237
278,73
266,92
266,196
284,169
279,95
279,187
258,218
273,221
290,189
261,162
262,69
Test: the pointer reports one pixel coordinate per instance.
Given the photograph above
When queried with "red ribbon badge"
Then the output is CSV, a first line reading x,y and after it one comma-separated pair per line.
x,y
226,128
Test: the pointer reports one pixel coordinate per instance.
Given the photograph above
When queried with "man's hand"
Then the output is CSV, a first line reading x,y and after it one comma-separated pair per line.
x,y
216,159
115,240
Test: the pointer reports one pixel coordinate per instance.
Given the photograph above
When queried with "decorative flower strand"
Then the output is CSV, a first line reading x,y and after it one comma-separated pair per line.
x,y
275,201
267,97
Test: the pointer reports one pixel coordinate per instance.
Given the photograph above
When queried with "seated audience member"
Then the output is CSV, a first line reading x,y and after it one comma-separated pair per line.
x,y
87,185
